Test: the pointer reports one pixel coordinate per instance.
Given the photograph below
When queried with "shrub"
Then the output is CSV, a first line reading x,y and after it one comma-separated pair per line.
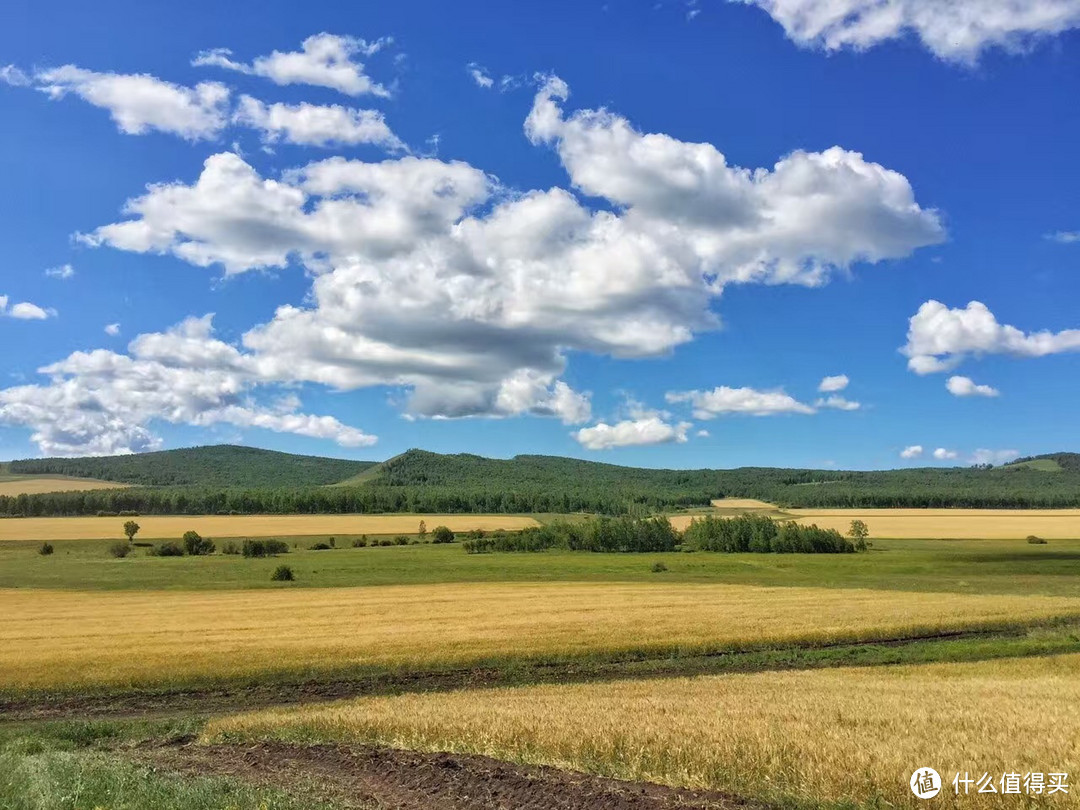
x,y
108,514
332,542
168,549
196,546
282,574
1036,541
229,547
264,548
442,535
120,549
386,541
659,567
401,540
127,513
360,542
45,550
320,547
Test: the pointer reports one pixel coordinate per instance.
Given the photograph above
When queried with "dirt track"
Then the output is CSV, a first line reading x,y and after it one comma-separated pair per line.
x,y
364,778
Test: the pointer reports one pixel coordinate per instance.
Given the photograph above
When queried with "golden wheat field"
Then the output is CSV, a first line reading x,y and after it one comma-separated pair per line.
x,y
68,638
824,735
35,486
173,526
952,524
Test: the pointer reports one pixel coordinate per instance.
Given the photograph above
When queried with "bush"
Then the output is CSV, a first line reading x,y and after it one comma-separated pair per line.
x,y
1036,541
360,542
320,547
332,542
120,550
264,548
401,540
45,550
127,513
760,534
169,549
196,546
659,567
229,547
102,513
442,535
282,574
386,541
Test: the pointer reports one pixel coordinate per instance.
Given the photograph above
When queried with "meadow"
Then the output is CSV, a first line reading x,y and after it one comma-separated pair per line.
x,y
157,527
73,640
34,485
830,736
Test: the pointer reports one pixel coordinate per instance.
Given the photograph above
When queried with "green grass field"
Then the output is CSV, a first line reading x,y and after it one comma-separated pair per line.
x,y
961,566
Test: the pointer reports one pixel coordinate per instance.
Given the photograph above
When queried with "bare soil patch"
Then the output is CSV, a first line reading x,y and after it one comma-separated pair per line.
x,y
357,777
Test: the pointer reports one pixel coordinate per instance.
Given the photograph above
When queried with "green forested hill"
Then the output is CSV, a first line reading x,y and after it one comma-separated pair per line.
x,y
244,480
218,466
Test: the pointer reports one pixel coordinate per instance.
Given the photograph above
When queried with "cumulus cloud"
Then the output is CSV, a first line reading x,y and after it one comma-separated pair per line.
x,y
479,74
747,401
832,384
112,329
430,276
646,430
63,272
912,451
102,402
139,103
966,387
984,456
24,310
954,31
10,74
943,454
315,125
939,338
838,403
324,60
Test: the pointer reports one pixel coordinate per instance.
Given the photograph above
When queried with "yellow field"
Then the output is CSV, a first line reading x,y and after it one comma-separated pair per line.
x,y
36,485
953,524
746,504
826,735
67,638
218,526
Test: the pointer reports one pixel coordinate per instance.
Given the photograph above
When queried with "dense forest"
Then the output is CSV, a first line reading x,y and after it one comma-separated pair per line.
x,y
244,481
219,466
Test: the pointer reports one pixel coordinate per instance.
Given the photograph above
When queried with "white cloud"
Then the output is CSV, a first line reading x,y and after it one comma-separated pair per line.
x,y
954,30
112,329
831,384
939,338
912,451
325,60
480,75
9,74
1064,237
139,102
703,434
429,275
966,387
942,454
647,430
748,401
101,402
838,403
315,125
23,311
983,456
63,272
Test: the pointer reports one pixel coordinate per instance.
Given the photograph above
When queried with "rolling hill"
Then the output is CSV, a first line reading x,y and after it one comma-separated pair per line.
x,y
217,466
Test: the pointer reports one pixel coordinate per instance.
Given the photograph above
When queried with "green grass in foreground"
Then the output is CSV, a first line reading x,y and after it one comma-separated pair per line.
x,y
66,766
960,566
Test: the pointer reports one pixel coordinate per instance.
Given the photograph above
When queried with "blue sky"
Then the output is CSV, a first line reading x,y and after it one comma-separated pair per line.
x,y
635,232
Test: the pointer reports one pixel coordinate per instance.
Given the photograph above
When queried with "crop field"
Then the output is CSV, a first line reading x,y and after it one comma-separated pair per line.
x,y
143,638
33,485
217,526
838,735
952,524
